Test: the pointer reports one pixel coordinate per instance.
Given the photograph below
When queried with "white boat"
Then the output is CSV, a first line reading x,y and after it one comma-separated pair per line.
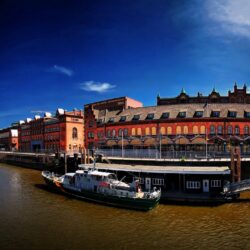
x,y
104,187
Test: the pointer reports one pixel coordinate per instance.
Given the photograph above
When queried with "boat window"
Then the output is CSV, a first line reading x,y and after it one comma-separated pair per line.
x,y
112,176
98,178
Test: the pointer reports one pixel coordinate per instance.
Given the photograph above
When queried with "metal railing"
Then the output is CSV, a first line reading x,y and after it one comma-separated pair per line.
x,y
237,187
157,154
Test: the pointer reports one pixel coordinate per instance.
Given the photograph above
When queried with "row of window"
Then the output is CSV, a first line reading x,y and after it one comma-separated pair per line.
x,y
158,181
197,184
52,146
181,114
37,138
25,133
169,131
229,130
155,181
193,184
52,138
215,183
52,129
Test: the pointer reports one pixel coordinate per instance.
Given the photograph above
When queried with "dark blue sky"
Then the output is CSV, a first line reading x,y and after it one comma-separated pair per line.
x,y
56,53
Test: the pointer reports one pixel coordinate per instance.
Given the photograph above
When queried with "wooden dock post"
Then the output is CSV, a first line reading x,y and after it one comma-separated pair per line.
x,y
65,163
235,164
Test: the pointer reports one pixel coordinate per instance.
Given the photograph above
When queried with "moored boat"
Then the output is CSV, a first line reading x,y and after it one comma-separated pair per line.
x,y
104,187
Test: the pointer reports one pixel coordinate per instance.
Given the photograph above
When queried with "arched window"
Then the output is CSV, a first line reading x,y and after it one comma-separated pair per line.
x,y
163,131
169,130
120,132
203,130
246,130
185,130
147,131
212,129
113,133
74,133
153,130
195,130
125,132
133,131
229,130
220,130
178,130
138,131
237,130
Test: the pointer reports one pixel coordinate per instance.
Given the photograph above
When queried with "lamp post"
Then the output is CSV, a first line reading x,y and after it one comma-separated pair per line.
x,y
160,145
206,141
122,146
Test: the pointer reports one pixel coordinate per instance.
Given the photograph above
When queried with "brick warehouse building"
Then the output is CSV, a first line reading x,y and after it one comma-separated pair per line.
x,y
181,123
9,138
62,132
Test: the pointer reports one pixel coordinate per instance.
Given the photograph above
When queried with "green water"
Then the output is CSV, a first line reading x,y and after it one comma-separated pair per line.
x,y
33,217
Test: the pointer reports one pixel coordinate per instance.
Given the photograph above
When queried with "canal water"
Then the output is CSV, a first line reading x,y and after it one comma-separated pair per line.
x,y
33,217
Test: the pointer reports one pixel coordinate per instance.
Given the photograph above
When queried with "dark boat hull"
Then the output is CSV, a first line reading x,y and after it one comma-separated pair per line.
x,y
123,202
49,181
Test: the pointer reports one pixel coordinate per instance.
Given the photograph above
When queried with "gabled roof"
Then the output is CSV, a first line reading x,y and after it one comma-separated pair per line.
x,y
173,111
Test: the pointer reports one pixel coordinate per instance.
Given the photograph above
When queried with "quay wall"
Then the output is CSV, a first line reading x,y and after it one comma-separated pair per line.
x,y
57,162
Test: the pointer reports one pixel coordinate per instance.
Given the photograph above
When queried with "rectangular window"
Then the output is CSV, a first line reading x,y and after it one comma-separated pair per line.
x,y
198,114
232,114
99,121
215,114
215,183
158,182
150,116
90,135
91,123
123,118
111,120
165,115
193,184
136,118
247,114
182,114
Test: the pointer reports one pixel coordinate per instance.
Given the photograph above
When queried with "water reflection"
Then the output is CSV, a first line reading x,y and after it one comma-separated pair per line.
x,y
32,217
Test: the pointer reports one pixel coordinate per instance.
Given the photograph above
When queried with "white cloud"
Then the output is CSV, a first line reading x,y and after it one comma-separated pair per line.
x,y
100,87
63,70
230,16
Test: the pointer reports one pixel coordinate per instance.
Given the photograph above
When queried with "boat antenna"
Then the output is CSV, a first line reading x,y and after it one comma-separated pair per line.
x,y
120,180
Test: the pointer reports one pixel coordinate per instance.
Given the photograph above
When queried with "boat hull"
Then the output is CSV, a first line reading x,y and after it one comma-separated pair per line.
x,y
123,202
116,201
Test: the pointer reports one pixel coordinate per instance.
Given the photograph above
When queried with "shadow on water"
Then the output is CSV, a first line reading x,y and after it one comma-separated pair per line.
x,y
241,200
192,203
47,188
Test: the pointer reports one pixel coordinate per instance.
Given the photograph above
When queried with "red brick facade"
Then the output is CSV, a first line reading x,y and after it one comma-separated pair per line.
x,y
9,138
63,132
218,124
